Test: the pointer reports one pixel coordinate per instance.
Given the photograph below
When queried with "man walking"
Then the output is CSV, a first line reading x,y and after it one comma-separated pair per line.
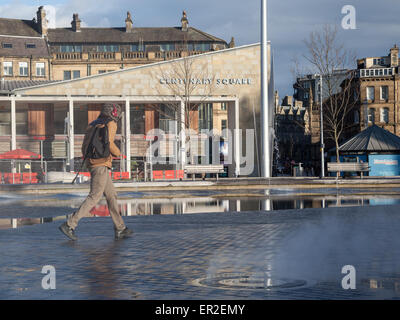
x,y
100,181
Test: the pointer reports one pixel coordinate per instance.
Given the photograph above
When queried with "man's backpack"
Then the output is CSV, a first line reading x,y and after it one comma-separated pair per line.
x,y
96,143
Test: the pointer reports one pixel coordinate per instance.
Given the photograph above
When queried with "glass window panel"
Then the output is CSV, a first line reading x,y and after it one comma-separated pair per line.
x,y
70,48
385,115
76,74
7,68
167,47
137,119
40,70
384,92
371,115
370,93
80,119
60,123
107,48
23,68
5,120
67,75
21,119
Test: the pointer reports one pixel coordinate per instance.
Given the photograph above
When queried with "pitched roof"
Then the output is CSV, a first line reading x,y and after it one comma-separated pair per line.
x,y
18,27
118,35
19,48
372,139
6,86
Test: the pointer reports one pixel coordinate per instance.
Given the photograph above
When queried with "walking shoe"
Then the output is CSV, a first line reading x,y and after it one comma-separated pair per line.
x,y
69,232
122,233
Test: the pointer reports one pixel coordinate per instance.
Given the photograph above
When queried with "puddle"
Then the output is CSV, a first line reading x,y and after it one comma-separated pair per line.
x,y
18,213
249,281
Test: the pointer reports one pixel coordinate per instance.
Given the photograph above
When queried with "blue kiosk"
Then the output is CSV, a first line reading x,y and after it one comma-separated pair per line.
x,y
375,145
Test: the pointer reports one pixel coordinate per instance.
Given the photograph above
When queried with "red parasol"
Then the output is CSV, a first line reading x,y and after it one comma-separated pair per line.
x,y
20,154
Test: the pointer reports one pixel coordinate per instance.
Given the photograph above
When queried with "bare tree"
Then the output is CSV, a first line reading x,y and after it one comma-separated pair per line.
x,y
331,59
184,79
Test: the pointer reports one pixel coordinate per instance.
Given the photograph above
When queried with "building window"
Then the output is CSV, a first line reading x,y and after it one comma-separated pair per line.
x,y
370,93
356,117
137,47
371,115
137,119
384,92
30,46
80,119
108,48
223,106
205,116
202,47
167,121
7,45
21,120
167,47
223,124
7,68
5,120
67,75
76,74
70,48
60,120
379,61
385,115
40,70
23,69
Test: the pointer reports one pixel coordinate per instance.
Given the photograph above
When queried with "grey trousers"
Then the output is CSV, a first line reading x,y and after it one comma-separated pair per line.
x,y
100,183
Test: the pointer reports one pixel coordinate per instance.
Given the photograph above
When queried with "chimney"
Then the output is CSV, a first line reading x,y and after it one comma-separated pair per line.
x,y
394,56
76,23
41,21
128,22
184,22
232,43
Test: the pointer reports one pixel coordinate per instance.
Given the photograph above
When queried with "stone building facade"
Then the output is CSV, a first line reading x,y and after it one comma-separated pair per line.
x,y
292,130
378,83
60,111
69,53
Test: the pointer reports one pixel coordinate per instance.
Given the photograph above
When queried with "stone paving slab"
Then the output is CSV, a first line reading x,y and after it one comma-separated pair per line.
x,y
210,256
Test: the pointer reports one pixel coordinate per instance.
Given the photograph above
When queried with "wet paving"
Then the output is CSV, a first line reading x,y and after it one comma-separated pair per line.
x,y
277,254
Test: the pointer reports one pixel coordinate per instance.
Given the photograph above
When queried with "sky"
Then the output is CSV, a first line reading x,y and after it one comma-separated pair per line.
x,y
289,22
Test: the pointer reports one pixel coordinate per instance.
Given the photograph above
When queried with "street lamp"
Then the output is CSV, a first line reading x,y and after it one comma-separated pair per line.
x,y
322,131
264,110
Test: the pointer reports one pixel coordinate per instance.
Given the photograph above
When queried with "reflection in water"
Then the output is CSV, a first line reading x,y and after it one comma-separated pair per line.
x,y
383,283
150,206
13,223
103,265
